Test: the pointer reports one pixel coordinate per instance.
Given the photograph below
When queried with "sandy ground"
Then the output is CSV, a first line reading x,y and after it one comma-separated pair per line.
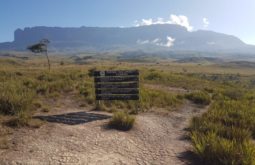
x,y
80,136
167,88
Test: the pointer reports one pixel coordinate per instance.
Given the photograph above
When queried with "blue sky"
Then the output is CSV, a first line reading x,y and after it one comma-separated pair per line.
x,y
235,17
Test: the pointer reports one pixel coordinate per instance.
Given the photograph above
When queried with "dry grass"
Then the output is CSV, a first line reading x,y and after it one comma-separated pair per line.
x,y
221,136
122,121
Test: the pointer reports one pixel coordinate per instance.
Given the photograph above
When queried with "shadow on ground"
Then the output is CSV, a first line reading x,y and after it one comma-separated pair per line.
x,y
190,158
73,118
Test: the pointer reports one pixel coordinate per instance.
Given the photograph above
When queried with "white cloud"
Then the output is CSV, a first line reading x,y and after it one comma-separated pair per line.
x,y
157,41
170,41
206,22
181,20
147,21
142,42
173,19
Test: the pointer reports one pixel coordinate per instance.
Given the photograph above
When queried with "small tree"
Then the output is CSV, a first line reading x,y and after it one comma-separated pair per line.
x,y
41,47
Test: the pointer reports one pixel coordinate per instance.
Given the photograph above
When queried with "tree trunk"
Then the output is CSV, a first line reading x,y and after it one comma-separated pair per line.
x,y
46,53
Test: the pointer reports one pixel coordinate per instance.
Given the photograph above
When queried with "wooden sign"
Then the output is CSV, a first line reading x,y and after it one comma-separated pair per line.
x,y
117,97
116,79
117,85
117,91
117,73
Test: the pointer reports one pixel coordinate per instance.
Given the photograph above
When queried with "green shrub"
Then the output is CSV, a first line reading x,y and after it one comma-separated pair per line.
x,y
214,150
29,83
37,104
158,98
234,94
14,99
23,119
46,77
122,121
153,76
209,90
84,91
199,98
223,134
87,91
42,89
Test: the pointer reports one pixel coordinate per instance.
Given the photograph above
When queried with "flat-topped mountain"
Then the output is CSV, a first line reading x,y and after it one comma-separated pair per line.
x,y
150,38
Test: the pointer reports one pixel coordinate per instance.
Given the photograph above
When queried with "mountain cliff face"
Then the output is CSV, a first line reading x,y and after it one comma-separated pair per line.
x,y
152,38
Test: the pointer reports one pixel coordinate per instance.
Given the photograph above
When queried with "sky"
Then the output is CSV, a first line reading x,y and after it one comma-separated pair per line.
x,y
234,17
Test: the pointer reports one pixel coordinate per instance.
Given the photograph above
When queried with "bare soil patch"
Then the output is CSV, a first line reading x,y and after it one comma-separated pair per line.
x,y
167,88
80,136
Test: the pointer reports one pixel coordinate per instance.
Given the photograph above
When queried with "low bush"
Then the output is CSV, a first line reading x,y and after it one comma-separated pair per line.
x,y
154,76
201,98
14,98
233,94
122,121
223,134
87,91
24,120
159,98
214,150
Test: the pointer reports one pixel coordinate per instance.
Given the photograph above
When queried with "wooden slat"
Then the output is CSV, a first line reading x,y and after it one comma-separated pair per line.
x,y
117,73
116,91
117,97
118,85
116,79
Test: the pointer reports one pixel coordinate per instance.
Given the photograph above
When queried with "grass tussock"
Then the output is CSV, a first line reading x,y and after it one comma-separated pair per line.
x,y
223,134
219,151
159,98
14,98
122,121
24,119
201,98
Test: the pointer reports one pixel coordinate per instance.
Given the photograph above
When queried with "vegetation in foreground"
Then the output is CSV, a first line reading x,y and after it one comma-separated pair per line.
x,y
122,121
223,135
201,98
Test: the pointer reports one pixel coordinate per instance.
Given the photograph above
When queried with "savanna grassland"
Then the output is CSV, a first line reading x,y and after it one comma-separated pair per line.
x,y
222,135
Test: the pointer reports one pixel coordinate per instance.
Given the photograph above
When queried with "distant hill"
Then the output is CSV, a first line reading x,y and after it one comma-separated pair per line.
x,y
199,60
146,38
242,64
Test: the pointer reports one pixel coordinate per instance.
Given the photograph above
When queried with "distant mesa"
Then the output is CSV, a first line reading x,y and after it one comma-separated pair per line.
x,y
145,38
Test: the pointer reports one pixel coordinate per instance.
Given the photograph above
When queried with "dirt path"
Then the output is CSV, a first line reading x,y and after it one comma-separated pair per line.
x,y
74,136
167,88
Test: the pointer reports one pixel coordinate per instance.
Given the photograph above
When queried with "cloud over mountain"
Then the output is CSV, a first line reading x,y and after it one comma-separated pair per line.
x,y
158,42
173,19
205,22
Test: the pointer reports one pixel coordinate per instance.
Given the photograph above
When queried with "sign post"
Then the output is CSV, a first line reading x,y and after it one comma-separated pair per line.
x,y
116,85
